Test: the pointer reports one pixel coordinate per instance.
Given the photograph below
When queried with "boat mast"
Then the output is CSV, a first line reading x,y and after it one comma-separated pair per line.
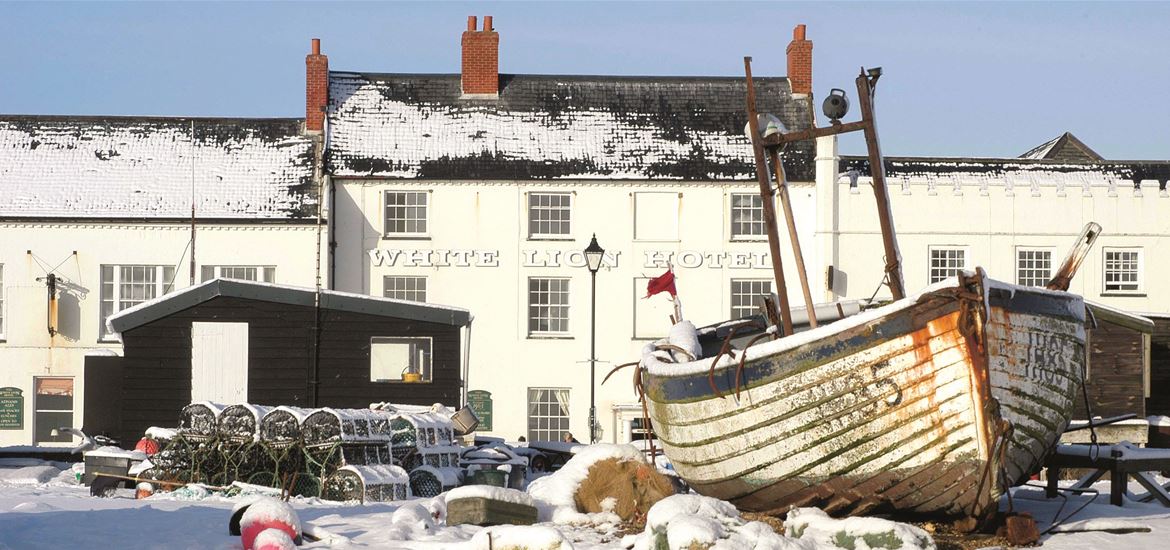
x,y
866,82
766,196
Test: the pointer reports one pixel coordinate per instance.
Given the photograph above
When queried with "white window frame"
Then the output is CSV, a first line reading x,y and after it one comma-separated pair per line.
x,y
393,290
163,283
735,310
425,219
544,410
930,268
65,438
534,307
533,209
1139,269
264,273
1020,251
422,358
731,223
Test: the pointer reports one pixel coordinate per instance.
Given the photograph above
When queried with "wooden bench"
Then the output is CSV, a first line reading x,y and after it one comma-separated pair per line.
x,y
1121,461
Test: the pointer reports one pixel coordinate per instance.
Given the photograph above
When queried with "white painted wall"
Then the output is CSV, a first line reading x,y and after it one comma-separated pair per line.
x,y
491,218
29,249
992,219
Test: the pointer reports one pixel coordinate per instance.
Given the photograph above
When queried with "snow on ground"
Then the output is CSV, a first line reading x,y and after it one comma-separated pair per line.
x,y
42,506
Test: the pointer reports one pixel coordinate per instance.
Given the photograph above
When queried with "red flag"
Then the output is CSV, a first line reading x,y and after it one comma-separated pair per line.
x,y
664,282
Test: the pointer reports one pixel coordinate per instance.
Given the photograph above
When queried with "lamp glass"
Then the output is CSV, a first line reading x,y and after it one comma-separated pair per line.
x,y
593,255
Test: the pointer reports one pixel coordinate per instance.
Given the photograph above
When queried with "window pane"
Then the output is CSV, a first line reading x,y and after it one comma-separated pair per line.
x,y
946,262
548,414
747,216
406,212
747,295
1033,267
548,310
548,214
405,288
1122,270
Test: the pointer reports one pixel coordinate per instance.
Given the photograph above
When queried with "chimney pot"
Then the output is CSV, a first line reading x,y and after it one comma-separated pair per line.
x,y
481,55
471,23
316,46
800,62
798,32
487,23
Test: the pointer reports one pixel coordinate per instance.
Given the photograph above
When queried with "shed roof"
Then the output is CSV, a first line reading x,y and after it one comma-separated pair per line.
x,y
1120,317
155,167
555,127
174,302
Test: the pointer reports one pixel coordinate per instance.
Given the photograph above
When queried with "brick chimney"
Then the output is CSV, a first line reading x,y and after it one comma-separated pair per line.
x,y
316,88
800,62
481,59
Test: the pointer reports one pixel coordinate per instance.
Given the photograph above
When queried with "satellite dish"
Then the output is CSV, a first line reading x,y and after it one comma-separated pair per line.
x,y
769,125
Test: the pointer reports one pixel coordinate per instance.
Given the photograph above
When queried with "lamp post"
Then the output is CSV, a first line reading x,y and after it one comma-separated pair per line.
x,y
593,256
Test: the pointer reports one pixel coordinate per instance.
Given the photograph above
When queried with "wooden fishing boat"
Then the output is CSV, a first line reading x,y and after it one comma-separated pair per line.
x,y
932,404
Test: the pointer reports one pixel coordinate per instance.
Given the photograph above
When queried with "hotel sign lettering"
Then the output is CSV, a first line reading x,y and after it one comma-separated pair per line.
x,y
657,259
11,409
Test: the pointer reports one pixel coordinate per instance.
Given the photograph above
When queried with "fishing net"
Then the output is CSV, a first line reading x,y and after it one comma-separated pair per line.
x,y
241,422
282,425
199,419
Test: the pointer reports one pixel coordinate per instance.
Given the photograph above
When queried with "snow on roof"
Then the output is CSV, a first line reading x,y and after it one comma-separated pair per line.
x,y
555,127
1020,173
136,167
1065,147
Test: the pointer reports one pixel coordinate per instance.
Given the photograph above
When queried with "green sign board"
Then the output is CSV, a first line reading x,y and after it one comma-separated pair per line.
x,y
481,404
12,409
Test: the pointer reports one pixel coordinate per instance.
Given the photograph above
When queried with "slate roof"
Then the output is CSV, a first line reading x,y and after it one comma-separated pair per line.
x,y
1065,148
1016,172
145,167
192,296
555,127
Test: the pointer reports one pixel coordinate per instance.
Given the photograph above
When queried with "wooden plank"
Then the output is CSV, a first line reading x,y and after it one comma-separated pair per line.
x,y
484,511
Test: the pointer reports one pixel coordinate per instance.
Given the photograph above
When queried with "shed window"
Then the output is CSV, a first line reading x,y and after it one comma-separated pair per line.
x,y
400,359
1123,270
125,286
406,213
549,215
53,405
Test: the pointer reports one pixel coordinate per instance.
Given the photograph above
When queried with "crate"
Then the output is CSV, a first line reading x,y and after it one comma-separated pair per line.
x,y
117,465
484,511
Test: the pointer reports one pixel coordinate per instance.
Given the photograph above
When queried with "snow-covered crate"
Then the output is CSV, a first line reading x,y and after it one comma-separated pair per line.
x,y
200,419
373,483
282,425
241,422
484,505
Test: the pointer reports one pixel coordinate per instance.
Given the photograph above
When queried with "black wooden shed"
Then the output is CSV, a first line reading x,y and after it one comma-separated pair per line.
x,y
240,341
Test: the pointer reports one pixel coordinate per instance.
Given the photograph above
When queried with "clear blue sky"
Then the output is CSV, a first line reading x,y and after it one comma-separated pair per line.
x,y
961,79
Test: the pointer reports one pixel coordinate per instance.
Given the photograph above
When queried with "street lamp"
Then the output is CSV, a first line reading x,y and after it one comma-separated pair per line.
x,y
593,255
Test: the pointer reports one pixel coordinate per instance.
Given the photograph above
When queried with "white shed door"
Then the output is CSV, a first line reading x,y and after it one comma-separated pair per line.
x,y
219,362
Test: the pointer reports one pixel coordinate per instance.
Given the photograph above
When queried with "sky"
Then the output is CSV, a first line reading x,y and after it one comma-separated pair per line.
x,y
987,79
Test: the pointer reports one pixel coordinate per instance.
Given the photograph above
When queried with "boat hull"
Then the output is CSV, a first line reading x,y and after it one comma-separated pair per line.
x,y
897,411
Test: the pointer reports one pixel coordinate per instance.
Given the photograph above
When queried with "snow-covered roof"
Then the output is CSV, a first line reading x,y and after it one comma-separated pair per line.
x,y
1002,172
139,167
191,296
555,127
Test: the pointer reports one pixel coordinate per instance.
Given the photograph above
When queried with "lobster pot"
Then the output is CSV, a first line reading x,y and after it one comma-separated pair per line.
x,y
199,418
428,481
346,425
282,425
376,483
241,421
403,439
367,454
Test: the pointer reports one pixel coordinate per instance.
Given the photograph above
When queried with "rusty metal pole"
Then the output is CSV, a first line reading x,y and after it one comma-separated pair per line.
x,y
782,190
766,195
877,171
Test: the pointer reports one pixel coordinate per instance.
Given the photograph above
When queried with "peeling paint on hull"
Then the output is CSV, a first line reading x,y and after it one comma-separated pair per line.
x,y
903,412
